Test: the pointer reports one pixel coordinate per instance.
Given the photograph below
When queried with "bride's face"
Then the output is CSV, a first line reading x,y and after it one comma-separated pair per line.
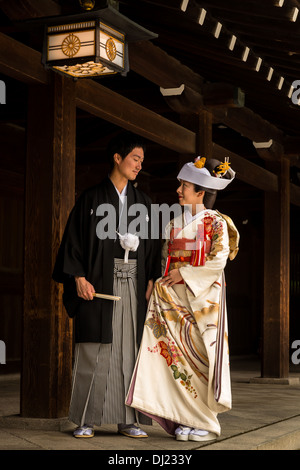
x,y
188,196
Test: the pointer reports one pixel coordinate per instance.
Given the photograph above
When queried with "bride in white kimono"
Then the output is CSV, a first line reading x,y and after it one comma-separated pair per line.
x,y
182,377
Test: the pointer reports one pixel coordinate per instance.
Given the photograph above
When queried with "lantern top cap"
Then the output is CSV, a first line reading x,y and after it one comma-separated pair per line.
x,y
134,32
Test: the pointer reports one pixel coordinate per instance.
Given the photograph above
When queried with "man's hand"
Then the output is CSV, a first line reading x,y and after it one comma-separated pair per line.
x,y
84,288
171,278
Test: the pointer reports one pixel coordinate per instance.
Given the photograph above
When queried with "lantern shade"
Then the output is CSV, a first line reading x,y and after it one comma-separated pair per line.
x,y
91,44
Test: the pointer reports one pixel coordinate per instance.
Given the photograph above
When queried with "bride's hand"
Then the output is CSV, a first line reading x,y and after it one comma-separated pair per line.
x,y
171,278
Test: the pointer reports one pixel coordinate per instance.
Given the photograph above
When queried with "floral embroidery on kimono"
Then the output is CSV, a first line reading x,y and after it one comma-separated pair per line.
x,y
182,371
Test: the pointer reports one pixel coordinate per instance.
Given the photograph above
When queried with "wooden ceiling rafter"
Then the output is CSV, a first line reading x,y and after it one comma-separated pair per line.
x,y
102,102
242,120
277,26
24,9
235,62
280,83
21,63
243,29
220,29
235,9
178,136
262,10
267,77
153,52
178,4
268,44
256,122
107,104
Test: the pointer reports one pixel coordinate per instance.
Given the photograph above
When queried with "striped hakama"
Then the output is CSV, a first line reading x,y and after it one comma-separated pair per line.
x,y
102,372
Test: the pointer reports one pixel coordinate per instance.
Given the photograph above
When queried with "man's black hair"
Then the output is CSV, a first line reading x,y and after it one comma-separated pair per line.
x,y
123,144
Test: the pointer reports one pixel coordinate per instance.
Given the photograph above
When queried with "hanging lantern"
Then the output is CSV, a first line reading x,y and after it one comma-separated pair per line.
x,y
91,44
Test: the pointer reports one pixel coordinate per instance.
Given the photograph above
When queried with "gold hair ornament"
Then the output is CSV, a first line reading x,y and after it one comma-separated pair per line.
x,y
200,162
222,169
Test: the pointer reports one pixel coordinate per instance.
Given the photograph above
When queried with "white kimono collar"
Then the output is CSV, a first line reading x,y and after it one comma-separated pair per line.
x,y
189,229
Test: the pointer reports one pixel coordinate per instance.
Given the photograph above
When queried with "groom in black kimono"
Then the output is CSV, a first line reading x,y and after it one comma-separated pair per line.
x,y
91,260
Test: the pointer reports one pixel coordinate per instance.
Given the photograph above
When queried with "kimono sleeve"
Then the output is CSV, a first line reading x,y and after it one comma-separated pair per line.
x,y
201,278
70,258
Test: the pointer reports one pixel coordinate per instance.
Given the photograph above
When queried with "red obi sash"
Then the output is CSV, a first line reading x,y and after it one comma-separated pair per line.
x,y
198,247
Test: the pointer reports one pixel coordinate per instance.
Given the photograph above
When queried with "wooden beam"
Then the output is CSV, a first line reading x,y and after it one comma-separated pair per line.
x,y
95,99
156,65
23,9
102,102
106,104
183,100
270,150
204,143
247,171
21,62
249,8
50,195
150,61
215,95
249,124
268,44
278,27
275,362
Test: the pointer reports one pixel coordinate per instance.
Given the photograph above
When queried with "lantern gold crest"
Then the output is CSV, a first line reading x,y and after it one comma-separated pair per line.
x,y
91,44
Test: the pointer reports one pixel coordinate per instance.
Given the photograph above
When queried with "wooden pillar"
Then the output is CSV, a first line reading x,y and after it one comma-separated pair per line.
x,y
204,144
275,361
201,125
50,195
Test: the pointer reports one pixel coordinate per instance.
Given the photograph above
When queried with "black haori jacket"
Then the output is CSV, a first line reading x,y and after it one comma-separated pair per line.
x,y
83,253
